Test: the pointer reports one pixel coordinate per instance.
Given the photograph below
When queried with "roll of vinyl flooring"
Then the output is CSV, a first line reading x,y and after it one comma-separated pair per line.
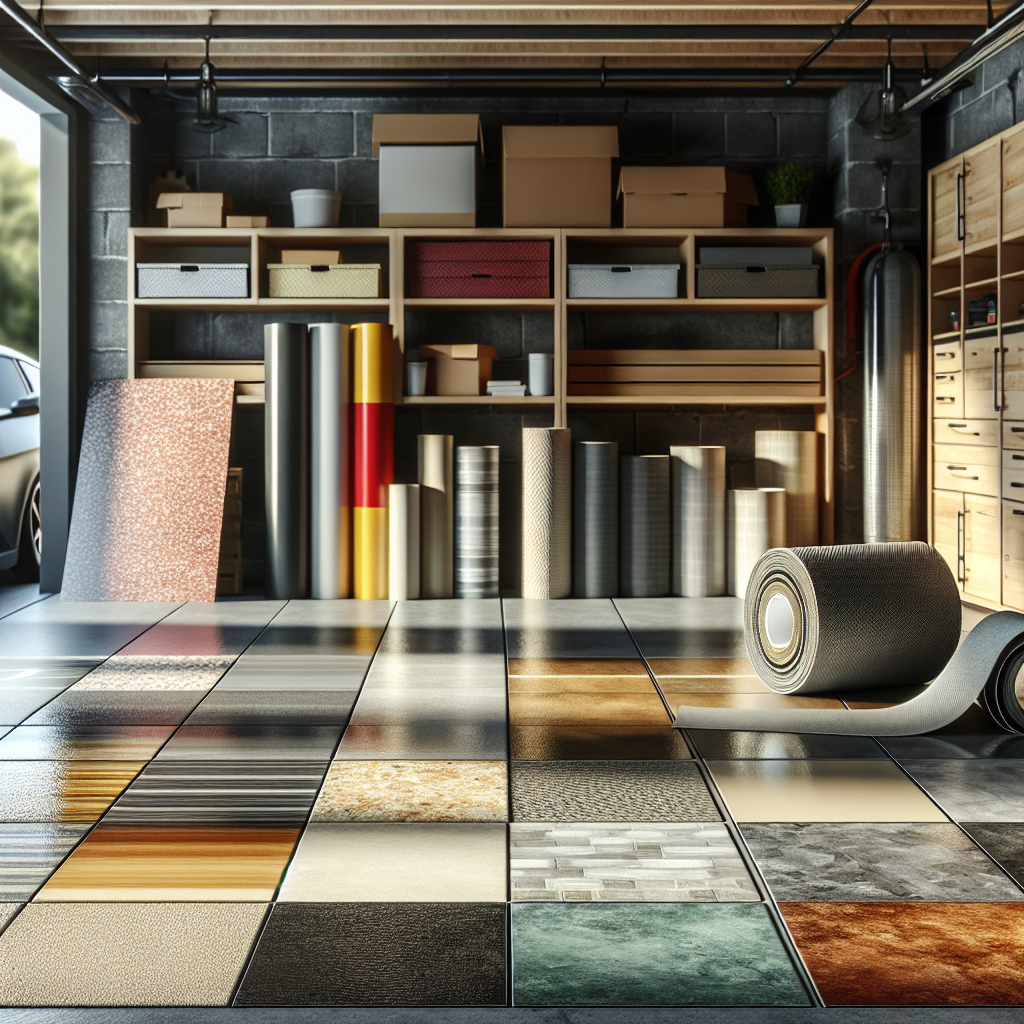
x,y
437,515
1003,695
789,459
698,520
286,459
755,523
595,519
644,534
547,512
403,542
476,521
331,448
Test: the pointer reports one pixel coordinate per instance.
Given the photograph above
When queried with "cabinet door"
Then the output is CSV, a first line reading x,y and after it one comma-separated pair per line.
x,y
982,575
947,508
945,184
1013,182
981,195
1013,555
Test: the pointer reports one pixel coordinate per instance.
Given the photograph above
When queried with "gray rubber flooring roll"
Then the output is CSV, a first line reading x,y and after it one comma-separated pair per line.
x,y
595,519
476,521
644,548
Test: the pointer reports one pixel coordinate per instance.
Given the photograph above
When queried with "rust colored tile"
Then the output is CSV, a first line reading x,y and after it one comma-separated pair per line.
x,y
580,684
747,700
701,667
597,743
576,667
907,954
712,684
586,709
62,790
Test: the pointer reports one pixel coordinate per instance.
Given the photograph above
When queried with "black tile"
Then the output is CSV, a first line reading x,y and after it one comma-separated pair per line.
x,y
1003,841
274,707
118,707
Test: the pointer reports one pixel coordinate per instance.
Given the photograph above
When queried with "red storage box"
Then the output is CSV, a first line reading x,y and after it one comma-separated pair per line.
x,y
479,270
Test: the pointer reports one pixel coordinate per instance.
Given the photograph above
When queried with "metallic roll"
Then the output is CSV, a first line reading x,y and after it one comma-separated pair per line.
x,y
437,515
476,521
403,542
755,523
595,519
698,520
286,459
644,533
331,444
789,459
547,512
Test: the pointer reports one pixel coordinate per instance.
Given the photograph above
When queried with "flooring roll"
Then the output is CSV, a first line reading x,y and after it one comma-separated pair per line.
x,y
403,542
286,459
789,459
755,523
1003,695
644,534
547,512
331,448
373,408
698,520
435,474
476,521
595,519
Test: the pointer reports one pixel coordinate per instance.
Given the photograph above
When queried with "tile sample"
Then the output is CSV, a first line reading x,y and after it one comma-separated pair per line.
x,y
434,740
649,954
324,628
973,734
457,670
597,742
463,627
745,700
627,863
62,790
152,672
685,627
582,667
876,862
19,595
903,954
189,863
974,790
587,709
117,707
724,669
1002,841
378,954
783,746
7,912
296,672
819,790
581,684
569,628
414,791
274,707
388,706
29,853
688,685
418,862
624,791
129,954
43,673
252,743
17,705
84,742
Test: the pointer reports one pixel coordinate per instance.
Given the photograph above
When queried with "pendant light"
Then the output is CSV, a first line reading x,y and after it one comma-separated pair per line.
x,y
880,112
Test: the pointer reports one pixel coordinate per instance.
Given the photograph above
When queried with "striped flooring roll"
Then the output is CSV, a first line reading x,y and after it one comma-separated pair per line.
x,y
644,535
476,521
698,520
595,519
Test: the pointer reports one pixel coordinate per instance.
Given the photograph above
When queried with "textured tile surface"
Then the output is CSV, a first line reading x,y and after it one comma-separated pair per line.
x,y
61,790
378,954
1003,841
117,707
466,741
252,743
274,707
131,954
29,853
7,912
974,790
17,705
597,742
296,672
776,746
419,862
649,954
626,791
587,709
84,742
912,953
153,672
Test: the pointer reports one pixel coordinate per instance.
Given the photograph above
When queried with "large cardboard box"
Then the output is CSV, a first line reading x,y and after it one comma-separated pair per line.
x,y
427,169
194,209
558,177
458,369
685,197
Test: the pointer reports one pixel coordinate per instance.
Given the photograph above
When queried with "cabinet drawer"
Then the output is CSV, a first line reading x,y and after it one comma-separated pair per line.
x,y
980,394
1013,435
980,353
948,389
977,432
967,468
946,511
1013,351
1013,482
1013,555
949,356
1013,405
982,567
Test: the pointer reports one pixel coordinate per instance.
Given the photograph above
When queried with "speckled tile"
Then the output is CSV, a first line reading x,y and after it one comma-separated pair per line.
x,y
378,954
128,954
414,791
296,672
649,954
7,912
84,742
29,853
61,790
433,740
252,743
986,790
17,705
907,954
627,863
587,709
274,707
784,746
397,862
151,672
876,862
625,791
685,627
1003,841
597,742
117,707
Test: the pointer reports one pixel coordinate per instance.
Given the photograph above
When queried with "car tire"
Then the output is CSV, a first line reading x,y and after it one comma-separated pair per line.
x,y
30,548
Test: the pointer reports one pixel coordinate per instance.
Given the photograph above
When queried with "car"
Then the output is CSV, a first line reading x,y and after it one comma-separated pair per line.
x,y
21,535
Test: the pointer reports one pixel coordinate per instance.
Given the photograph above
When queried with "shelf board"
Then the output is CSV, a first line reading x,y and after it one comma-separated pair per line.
x,y
1016,275
1014,236
947,336
947,293
980,247
791,400
239,305
511,304
254,305
476,400
946,259
696,305
989,282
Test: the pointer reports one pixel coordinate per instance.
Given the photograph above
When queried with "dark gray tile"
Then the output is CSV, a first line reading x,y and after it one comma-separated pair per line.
x,y
1003,841
252,743
973,735
973,790
274,707
598,742
118,707
769,746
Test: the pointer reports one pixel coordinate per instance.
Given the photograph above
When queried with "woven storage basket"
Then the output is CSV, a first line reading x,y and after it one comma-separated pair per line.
x,y
193,280
620,281
715,281
338,281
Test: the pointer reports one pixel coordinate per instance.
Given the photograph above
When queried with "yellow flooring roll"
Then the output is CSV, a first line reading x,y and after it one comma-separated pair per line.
x,y
437,515
370,529
789,459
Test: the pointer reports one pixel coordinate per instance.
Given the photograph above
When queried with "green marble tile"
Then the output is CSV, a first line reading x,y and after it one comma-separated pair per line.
x,y
649,955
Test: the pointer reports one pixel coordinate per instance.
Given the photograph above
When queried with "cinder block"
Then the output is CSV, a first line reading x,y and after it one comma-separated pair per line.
x,y
246,137
306,134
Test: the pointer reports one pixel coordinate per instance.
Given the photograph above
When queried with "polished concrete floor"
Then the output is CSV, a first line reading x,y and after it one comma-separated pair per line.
x,y
475,804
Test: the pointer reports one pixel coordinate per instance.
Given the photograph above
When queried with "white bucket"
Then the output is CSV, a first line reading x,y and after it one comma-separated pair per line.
x,y
542,374
315,208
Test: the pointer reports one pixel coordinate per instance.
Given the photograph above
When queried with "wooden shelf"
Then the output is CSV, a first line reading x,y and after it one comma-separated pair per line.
x,y
329,305
724,399
948,336
946,260
989,282
522,305
981,247
705,305
476,400
1017,275
947,293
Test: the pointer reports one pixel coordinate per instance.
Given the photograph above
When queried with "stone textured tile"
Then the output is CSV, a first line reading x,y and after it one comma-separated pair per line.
x,y
586,709
433,740
974,790
776,746
252,743
274,707
167,672
117,707
84,742
597,742
62,790
1003,842
29,853
7,912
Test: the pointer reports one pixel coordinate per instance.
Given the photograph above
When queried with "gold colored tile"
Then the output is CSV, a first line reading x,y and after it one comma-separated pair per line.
x,y
712,684
580,684
576,667
701,667
586,709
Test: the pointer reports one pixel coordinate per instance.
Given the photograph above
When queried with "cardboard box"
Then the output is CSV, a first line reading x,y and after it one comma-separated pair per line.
x,y
558,177
427,169
685,197
316,257
194,209
246,222
458,369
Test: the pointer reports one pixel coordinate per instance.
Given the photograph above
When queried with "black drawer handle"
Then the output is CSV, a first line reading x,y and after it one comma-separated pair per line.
x,y
1018,458
319,268
1017,430
944,376
945,355
1018,511
757,270
188,269
1016,485
622,270
944,398
479,275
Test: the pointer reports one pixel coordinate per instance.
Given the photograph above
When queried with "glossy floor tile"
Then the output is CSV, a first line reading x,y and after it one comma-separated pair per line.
x,y
586,709
129,954
252,743
783,746
1003,842
153,672
414,791
380,706
668,954
17,704
324,628
974,790
627,863
736,668
117,707
296,672
29,853
685,686
190,863
578,667
274,707
626,791
18,595
597,742
417,862
581,684
685,627
566,629
200,629
874,862
899,954
820,790
84,742
973,734
378,954
44,673
433,740
62,790
462,670
744,700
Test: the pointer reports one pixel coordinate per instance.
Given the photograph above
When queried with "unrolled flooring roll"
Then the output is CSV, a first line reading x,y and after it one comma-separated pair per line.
x,y
756,523
789,459
698,520
644,534
1003,694
595,519
476,521
331,462
403,542
547,512
437,515
286,459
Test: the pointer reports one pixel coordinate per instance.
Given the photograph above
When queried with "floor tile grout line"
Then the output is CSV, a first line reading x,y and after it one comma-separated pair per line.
x,y
42,597
644,661
264,921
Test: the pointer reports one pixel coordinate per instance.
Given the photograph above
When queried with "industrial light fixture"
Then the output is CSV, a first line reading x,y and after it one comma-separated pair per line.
x,y
880,113
207,118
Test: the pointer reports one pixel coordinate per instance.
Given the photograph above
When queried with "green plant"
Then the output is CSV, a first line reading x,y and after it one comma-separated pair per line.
x,y
790,183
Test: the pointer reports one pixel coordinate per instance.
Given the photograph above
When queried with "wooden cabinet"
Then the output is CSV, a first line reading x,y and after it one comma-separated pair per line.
x,y
983,432
981,189
1013,555
947,525
1013,181
961,467
945,196
981,542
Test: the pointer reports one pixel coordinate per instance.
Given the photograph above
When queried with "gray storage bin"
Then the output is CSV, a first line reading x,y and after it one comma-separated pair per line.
x,y
715,281
622,281
756,255
192,280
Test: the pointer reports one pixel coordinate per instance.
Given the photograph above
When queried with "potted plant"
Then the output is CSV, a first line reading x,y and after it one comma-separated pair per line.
x,y
789,189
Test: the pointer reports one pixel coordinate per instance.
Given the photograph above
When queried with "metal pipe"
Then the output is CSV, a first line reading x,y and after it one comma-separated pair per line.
x,y
837,32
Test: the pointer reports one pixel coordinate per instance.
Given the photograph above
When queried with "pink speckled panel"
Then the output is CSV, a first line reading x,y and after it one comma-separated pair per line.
x,y
148,507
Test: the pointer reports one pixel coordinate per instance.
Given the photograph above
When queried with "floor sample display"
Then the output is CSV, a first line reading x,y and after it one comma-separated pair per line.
x,y
476,522
601,742
252,743
1003,842
974,790
280,707
547,512
644,533
83,743
437,514
147,515
75,708
29,853
783,746
149,672
698,521
595,525
62,790
789,459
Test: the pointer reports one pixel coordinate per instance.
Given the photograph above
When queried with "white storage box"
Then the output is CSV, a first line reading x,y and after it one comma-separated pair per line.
x,y
623,281
193,280
334,281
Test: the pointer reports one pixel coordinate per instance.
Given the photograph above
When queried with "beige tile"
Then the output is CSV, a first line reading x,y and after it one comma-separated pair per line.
x,y
576,667
580,684
586,709
748,700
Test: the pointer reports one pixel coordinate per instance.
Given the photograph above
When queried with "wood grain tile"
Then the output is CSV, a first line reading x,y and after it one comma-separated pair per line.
x,y
586,709
597,743
580,684
62,790
702,667
712,684
576,667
